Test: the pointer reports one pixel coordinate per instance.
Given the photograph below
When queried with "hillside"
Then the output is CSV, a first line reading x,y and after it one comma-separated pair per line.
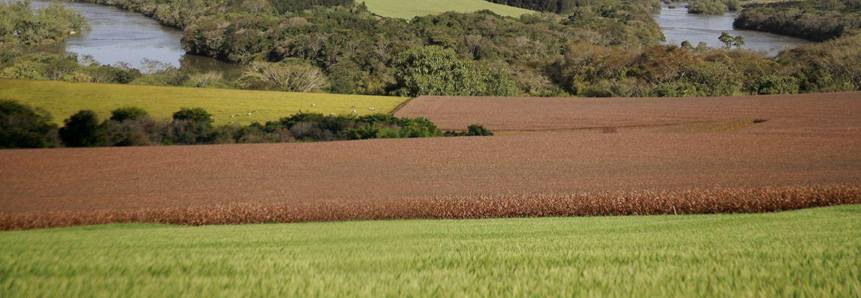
x,y
64,99
407,9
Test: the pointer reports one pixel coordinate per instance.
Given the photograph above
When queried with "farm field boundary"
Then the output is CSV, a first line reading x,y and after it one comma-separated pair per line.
x,y
695,201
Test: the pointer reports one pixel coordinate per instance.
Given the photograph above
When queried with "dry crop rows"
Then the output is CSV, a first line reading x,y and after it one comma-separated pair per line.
x,y
695,201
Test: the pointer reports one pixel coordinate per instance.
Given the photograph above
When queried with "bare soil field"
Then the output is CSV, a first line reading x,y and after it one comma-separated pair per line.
x,y
805,155
785,113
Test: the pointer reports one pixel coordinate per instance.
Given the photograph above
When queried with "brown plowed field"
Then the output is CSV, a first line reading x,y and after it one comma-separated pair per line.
x,y
786,113
809,140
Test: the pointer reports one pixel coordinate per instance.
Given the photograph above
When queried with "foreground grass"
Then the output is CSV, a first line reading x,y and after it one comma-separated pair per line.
x,y
64,99
407,9
814,252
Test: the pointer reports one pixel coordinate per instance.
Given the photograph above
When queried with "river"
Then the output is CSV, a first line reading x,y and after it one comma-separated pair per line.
x,y
122,36
678,25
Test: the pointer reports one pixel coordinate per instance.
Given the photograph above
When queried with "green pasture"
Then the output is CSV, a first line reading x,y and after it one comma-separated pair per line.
x,y
64,99
407,9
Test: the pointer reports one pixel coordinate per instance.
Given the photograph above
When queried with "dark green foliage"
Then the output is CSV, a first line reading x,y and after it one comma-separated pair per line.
x,y
132,127
568,6
317,127
774,84
24,25
140,131
814,20
194,115
23,127
434,70
713,7
66,67
83,130
472,130
127,113
284,6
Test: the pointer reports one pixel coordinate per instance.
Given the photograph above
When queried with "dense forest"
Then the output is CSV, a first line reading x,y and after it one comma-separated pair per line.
x,y
570,6
714,7
813,20
609,48
23,25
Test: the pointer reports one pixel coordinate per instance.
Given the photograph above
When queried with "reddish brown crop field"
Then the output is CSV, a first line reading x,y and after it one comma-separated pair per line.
x,y
666,156
786,113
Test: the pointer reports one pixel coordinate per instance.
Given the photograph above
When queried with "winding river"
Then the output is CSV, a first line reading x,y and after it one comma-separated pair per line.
x,y
678,25
121,36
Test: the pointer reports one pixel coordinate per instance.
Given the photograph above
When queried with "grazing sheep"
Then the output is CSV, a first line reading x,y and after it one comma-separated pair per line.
x,y
249,114
313,105
231,116
371,109
354,112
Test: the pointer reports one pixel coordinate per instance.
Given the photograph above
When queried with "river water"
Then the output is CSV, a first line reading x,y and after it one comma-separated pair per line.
x,y
678,25
121,36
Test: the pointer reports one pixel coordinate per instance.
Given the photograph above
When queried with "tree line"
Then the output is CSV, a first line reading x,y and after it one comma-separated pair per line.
x,y
814,20
22,126
713,7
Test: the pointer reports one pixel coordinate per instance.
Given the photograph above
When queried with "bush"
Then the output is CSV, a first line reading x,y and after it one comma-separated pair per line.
x,y
140,131
24,127
774,84
472,130
194,115
127,113
83,130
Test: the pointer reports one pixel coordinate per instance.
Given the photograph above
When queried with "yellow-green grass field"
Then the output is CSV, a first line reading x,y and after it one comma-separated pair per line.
x,y
807,253
64,99
408,9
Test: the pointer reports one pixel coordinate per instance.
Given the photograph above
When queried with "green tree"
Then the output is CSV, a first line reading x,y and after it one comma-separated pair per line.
x,y
23,127
726,39
433,70
83,130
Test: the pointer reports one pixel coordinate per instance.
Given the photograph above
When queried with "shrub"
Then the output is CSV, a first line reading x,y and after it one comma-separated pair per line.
x,y
140,131
127,113
472,130
24,127
194,115
774,84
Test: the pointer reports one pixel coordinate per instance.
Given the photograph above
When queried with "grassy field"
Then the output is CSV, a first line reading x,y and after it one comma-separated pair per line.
x,y
407,9
64,99
814,252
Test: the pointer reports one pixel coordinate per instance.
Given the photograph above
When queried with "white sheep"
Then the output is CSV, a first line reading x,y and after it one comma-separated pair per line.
x,y
371,109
